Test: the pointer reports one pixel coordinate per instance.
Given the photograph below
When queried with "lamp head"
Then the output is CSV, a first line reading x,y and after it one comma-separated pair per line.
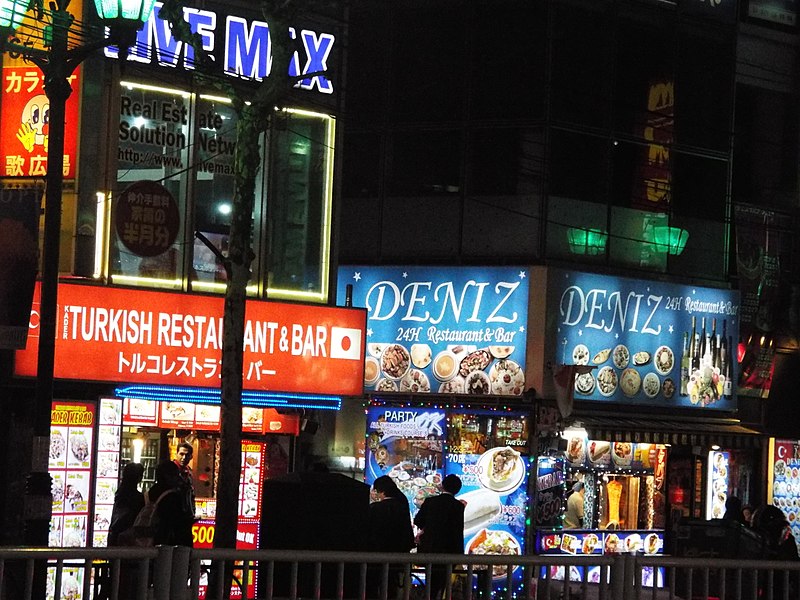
x,y
124,18
12,13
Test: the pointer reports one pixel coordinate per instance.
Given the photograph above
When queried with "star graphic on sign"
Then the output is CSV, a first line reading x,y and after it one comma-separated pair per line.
x,y
670,328
521,328
405,275
357,276
616,335
580,332
522,275
369,332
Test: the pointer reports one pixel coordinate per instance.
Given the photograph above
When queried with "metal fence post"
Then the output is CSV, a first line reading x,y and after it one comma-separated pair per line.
x,y
621,571
162,573
179,582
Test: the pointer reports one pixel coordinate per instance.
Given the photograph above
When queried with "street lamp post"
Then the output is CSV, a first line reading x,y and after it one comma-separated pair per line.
x,y
57,62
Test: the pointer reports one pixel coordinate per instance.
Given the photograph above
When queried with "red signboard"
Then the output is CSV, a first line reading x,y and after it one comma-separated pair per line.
x,y
25,125
143,336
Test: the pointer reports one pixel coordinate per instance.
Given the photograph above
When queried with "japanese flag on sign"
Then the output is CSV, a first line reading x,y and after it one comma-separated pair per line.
x,y
346,343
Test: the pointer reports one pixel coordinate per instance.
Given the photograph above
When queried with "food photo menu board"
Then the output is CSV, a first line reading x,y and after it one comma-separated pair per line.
x,y
494,477
785,489
447,330
407,445
488,451
649,342
109,436
252,477
70,464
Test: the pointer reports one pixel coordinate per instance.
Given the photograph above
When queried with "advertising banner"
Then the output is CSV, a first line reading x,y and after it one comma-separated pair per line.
x,y
647,342
25,126
786,481
109,435
407,444
489,452
450,330
111,334
20,211
70,464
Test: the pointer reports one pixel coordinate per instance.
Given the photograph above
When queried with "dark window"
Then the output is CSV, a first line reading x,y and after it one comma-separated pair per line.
x,y
504,161
765,147
578,166
428,74
580,66
425,162
704,89
507,49
361,165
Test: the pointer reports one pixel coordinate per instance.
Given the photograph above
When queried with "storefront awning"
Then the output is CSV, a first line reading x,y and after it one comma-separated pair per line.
x,y
726,433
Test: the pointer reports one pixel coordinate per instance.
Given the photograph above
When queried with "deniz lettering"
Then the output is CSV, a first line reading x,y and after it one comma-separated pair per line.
x,y
385,299
599,309
246,49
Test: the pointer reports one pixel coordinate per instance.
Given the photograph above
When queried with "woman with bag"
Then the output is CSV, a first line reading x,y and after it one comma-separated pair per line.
x,y
128,501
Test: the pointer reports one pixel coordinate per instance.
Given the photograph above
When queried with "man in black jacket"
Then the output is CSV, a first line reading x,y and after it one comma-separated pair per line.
x,y
441,519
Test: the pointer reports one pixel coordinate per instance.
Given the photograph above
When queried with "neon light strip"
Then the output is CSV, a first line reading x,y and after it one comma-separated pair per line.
x,y
154,88
212,396
100,240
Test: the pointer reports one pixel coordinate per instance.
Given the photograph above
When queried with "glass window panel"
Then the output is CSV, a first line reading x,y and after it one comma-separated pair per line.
x,y
580,71
428,72
645,55
564,214
214,188
579,166
425,162
153,146
703,88
509,71
299,206
765,147
631,233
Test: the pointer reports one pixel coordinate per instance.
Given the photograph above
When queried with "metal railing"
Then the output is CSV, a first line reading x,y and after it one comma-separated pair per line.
x,y
177,573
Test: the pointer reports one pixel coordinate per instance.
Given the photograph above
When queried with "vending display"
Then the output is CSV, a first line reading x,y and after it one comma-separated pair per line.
x,y
489,451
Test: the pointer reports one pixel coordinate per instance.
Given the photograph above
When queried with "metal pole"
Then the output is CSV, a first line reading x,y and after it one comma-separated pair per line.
x,y
38,507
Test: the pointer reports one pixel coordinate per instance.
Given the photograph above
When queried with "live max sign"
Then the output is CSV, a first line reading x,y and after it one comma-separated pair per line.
x,y
144,336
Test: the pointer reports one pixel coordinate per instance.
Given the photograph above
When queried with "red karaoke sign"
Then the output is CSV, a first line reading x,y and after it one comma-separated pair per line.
x,y
144,336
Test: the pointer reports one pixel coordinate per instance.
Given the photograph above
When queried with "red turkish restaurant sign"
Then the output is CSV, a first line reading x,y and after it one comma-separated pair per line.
x,y
143,336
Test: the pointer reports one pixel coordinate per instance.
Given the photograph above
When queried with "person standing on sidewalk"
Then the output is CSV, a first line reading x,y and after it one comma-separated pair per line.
x,y
441,519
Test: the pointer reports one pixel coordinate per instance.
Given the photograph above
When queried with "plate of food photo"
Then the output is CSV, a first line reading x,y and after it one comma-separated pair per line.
x,y
501,469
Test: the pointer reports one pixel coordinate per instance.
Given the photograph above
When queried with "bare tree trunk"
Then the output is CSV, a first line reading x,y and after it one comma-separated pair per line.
x,y
240,257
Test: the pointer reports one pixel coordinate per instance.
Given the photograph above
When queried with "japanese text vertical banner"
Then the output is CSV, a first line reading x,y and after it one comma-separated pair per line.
x,y
25,124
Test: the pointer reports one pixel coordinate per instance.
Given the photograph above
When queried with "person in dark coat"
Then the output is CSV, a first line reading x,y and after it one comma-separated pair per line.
x,y
174,524
389,518
441,519
733,511
389,530
770,523
128,501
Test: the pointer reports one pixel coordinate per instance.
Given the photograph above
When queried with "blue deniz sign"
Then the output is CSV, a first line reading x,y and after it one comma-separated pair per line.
x,y
648,342
456,330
